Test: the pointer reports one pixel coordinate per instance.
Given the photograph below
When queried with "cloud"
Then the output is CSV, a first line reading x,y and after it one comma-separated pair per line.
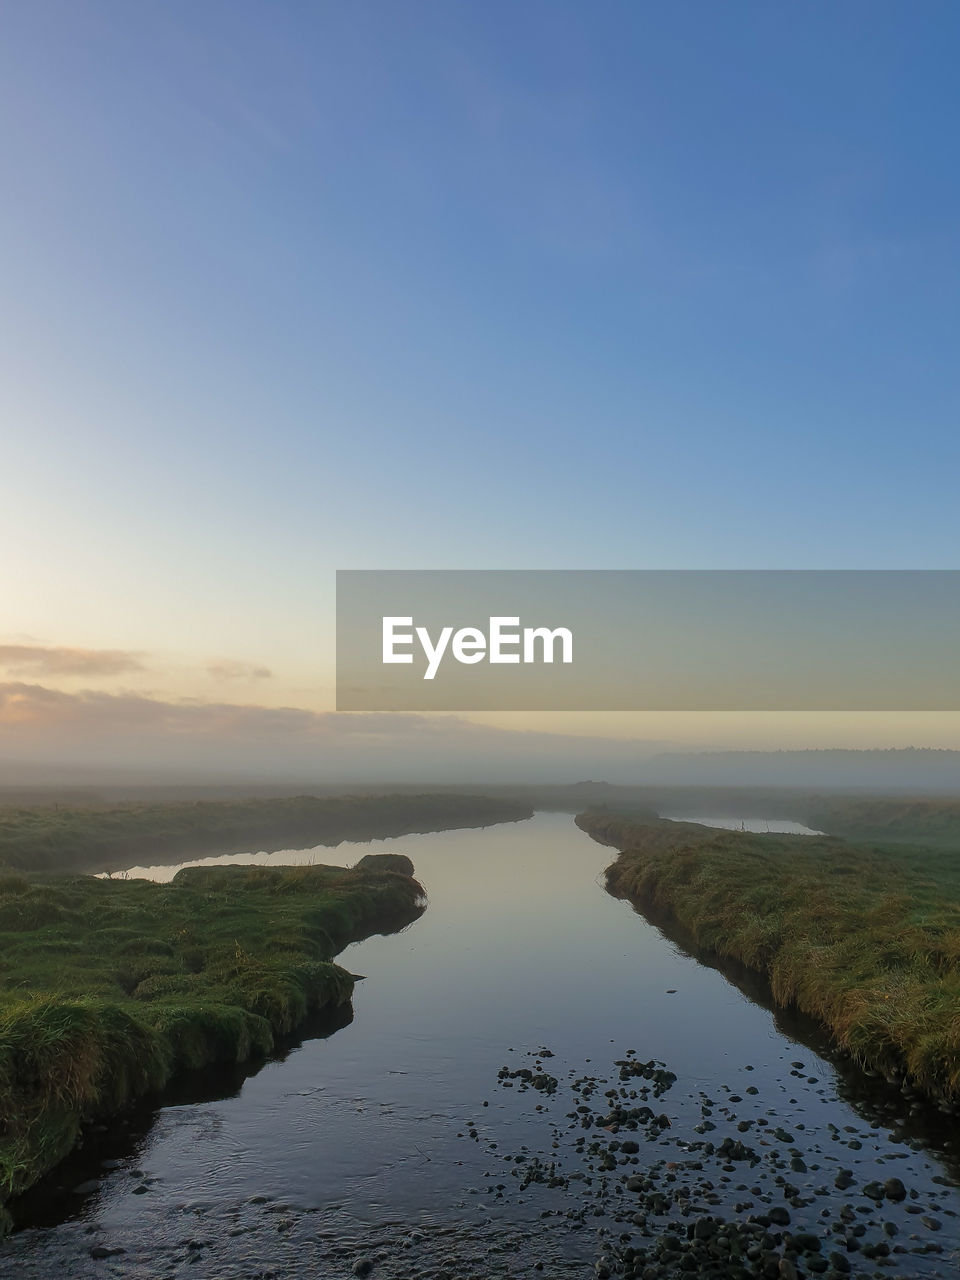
x,y
37,707
41,660
227,669
103,732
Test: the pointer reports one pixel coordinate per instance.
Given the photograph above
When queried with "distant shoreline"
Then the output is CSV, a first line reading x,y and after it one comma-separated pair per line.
x,y
112,838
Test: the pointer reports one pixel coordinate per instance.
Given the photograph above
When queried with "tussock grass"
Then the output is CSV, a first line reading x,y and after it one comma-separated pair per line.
x,y
933,822
107,838
108,987
864,937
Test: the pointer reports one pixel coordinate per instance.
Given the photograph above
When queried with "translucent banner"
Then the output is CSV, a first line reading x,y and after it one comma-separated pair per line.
x,y
644,640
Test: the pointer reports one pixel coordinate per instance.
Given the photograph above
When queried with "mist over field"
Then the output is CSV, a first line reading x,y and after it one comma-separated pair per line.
x,y
289,747
95,719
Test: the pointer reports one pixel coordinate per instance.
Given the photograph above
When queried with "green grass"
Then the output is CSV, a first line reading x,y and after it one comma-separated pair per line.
x,y
864,937
109,987
108,838
933,822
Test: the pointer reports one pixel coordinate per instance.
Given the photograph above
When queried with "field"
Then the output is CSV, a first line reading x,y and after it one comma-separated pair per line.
x,y
865,937
931,822
110,837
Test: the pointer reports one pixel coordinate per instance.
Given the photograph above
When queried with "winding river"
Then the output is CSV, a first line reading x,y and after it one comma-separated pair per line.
x,y
380,1142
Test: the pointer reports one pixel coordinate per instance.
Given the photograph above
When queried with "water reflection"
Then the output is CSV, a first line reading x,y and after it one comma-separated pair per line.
x,y
123,1142
519,947
761,826
876,1100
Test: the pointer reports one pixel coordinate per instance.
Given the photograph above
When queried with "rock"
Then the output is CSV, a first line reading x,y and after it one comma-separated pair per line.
x,y
398,863
879,1250
804,1242
779,1216
894,1189
362,1267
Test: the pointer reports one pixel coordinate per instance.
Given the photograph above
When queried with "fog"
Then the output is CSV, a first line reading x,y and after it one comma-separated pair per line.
x,y
48,737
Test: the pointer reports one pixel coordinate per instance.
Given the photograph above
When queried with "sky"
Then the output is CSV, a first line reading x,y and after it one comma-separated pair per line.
x,y
290,287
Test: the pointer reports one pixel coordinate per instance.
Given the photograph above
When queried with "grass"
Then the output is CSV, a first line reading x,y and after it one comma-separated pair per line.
x,y
109,987
108,838
864,937
930,821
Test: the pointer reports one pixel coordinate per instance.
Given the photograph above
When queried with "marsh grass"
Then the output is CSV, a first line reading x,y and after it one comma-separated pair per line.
x,y
106,838
109,987
864,937
933,821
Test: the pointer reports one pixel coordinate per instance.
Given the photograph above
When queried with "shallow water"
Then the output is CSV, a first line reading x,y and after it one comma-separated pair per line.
x,y
785,826
368,1129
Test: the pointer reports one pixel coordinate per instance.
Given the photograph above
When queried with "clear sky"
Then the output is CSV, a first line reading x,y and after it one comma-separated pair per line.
x,y
296,286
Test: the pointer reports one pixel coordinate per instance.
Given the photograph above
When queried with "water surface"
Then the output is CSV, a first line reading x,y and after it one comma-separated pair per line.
x,y
520,948
768,826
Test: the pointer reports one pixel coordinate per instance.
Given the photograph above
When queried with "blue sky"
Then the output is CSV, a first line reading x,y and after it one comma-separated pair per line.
x,y
297,286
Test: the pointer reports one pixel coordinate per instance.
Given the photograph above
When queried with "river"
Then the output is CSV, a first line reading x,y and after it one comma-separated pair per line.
x,y
382,1140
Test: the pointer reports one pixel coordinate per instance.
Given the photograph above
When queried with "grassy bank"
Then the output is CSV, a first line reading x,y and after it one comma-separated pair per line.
x,y
109,987
109,838
864,937
933,822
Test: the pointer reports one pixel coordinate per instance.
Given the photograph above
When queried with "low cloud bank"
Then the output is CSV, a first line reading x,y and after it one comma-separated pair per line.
x,y
197,739
51,735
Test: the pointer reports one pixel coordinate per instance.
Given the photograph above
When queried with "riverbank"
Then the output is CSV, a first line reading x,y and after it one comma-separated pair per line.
x,y
110,987
110,837
863,937
394,1143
